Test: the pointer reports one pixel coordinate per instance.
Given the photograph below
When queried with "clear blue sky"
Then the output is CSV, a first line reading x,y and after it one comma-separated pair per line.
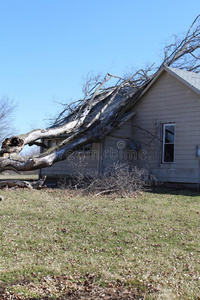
x,y
47,48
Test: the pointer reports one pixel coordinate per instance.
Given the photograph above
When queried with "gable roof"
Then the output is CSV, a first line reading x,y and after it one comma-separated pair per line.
x,y
190,79
112,111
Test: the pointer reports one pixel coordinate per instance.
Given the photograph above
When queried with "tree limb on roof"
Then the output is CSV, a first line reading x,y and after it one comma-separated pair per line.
x,y
90,119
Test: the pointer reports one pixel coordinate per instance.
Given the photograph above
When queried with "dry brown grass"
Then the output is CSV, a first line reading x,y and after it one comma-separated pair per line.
x,y
149,242
19,176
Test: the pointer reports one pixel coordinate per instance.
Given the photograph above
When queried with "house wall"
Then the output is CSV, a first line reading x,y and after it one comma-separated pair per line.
x,y
169,100
116,147
86,163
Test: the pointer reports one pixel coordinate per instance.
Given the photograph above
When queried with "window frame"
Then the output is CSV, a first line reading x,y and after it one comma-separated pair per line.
x,y
84,149
163,143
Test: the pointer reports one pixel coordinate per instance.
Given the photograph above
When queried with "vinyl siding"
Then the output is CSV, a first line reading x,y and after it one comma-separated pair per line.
x,y
84,163
169,100
116,146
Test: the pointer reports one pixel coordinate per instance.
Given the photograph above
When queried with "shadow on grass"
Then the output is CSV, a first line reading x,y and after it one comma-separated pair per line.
x,y
191,191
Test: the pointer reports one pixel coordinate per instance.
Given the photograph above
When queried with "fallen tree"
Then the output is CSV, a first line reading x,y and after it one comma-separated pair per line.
x,y
10,183
106,104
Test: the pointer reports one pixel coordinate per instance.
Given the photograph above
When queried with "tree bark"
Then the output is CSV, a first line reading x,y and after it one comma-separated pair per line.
x,y
10,183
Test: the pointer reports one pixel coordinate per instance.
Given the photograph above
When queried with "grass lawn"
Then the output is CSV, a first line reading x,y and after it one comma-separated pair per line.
x,y
53,242
19,176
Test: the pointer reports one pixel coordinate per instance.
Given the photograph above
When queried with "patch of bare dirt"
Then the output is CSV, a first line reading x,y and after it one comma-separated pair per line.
x,y
65,287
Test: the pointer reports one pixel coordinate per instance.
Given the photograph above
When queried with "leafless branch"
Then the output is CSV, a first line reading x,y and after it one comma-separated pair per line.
x,y
105,102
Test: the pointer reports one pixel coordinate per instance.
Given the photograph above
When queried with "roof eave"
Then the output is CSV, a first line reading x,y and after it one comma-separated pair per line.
x,y
152,81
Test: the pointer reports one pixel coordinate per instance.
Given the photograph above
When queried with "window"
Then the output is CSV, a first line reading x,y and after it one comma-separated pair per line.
x,y
85,149
168,143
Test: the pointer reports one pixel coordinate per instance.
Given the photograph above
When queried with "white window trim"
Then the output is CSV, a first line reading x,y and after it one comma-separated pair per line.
x,y
163,143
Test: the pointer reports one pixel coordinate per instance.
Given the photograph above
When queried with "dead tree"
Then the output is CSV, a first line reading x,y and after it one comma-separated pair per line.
x,y
107,103
7,108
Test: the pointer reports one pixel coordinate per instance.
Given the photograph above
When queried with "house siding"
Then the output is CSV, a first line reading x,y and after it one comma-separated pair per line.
x,y
78,163
169,101
116,147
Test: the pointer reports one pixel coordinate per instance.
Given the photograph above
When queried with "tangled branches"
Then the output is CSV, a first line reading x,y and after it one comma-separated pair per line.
x,y
105,103
185,53
120,178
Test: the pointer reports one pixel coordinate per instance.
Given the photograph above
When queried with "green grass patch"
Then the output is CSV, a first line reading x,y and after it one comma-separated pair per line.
x,y
19,176
150,241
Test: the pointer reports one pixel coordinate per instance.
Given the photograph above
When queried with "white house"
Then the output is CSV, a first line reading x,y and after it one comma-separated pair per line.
x,y
161,134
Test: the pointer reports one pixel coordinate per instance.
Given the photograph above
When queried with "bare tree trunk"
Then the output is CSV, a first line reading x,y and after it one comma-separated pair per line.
x,y
22,183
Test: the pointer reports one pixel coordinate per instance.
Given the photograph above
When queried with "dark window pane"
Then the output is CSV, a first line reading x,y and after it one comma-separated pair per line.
x,y
169,153
85,148
169,134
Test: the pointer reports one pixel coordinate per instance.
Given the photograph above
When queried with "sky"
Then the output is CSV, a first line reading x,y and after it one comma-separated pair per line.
x,y
48,47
